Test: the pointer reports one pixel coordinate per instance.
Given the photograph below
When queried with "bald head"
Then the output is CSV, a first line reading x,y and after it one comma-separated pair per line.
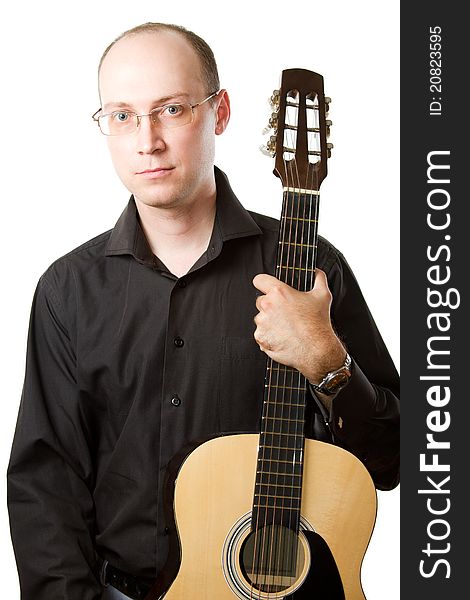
x,y
207,66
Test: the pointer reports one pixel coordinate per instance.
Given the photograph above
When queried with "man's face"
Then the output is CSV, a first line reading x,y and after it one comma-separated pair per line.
x,y
161,167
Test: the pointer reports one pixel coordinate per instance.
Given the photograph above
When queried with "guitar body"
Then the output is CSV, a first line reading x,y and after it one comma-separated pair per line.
x,y
213,502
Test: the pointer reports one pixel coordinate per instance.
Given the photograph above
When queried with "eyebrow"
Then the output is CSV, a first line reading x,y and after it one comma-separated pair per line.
x,y
160,102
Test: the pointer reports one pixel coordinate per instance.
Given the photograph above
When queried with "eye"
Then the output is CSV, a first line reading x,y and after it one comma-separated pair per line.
x,y
172,110
121,116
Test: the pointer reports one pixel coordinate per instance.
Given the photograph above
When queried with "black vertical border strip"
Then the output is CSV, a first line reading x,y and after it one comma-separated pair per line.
x,y
435,544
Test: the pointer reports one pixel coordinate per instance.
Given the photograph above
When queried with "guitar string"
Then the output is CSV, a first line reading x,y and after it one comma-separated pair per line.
x,y
312,235
274,373
295,282
293,179
306,201
303,212
260,545
287,548
284,538
293,245
273,370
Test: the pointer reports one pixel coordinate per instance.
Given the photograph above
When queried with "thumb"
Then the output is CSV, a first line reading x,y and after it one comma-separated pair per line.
x,y
264,283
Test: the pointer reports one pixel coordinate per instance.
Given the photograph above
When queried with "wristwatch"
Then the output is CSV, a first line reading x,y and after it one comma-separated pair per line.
x,y
334,381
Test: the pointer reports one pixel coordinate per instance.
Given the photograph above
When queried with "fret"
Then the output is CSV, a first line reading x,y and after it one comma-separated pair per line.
x,y
278,404
267,497
285,372
284,387
280,479
276,433
287,412
285,419
292,463
283,426
286,401
297,244
293,384
287,456
294,441
279,485
300,219
268,446
279,474
294,502
278,491
283,368
293,268
281,515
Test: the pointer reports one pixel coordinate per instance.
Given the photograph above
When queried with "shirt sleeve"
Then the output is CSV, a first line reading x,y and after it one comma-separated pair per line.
x,y
50,474
364,416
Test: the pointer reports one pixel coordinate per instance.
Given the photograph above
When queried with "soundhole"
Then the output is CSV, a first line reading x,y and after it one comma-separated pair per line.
x,y
270,564
272,559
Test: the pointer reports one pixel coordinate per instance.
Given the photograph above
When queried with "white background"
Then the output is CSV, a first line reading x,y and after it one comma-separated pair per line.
x,y
59,188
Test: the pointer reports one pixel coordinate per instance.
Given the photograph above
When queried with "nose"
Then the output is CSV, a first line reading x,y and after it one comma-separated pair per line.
x,y
149,137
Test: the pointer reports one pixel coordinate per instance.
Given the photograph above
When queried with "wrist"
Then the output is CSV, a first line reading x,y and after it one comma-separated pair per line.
x,y
331,358
335,380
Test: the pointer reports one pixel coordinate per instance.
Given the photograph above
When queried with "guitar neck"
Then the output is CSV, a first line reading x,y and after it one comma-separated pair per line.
x,y
278,487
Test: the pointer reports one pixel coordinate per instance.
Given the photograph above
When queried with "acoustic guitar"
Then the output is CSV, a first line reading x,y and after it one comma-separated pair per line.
x,y
277,516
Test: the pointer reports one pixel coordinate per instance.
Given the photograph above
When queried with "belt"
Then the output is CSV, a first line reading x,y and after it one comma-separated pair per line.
x,y
134,587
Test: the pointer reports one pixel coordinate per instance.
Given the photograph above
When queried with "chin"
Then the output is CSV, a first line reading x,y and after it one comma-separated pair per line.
x,y
160,199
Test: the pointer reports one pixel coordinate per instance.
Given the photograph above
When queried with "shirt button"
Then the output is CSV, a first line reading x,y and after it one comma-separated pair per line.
x,y
179,343
176,400
182,283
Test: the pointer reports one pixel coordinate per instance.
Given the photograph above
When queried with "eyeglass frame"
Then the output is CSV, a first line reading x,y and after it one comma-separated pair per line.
x,y
157,108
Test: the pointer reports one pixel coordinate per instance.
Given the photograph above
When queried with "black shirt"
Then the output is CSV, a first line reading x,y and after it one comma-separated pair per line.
x,y
128,365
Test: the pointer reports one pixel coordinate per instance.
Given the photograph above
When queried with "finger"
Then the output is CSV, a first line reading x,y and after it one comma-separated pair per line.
x,y
264,283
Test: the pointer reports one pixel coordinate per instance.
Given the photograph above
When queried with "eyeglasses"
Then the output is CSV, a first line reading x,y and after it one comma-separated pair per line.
x,y
169,116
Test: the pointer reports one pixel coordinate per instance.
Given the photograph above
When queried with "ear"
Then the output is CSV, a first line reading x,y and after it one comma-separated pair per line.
x,y
222,112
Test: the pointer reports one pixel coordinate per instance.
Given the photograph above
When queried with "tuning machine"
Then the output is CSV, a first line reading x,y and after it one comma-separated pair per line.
x,y
270,148
272,124
328,124
327,104
275,99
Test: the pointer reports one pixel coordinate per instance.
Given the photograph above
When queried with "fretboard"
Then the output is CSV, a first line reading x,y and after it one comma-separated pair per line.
x,y
278,487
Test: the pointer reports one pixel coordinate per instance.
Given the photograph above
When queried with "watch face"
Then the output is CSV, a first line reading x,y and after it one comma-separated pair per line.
x,y
337,381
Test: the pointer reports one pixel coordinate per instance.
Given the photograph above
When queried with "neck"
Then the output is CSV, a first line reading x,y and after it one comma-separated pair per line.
x,y
179,235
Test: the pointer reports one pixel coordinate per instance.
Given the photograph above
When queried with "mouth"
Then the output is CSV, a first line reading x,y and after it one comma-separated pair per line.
x,y
154,173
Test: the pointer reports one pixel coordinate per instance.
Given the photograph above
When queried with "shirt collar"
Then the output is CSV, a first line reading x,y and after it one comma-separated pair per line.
x,y
232,221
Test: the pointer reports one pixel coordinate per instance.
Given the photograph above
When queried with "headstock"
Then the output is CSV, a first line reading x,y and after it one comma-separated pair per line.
x,y
300,130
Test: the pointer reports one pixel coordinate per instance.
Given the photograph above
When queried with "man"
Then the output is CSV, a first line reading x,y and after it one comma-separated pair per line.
x,y
142,342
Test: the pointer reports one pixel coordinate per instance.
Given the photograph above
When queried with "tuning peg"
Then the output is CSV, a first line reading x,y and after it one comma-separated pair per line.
x,y
328,124
272,124
329,148
327,104
270,148
271,145
266,151
274,100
